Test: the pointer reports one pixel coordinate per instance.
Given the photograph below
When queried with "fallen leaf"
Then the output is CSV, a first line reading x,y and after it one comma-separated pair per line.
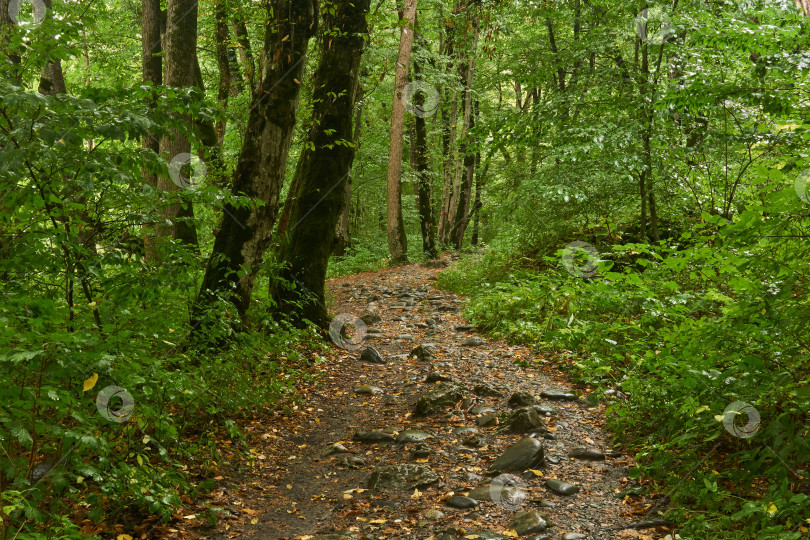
x,y
89,384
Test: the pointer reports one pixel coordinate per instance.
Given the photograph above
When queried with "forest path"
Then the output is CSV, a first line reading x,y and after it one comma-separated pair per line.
x,y
303,491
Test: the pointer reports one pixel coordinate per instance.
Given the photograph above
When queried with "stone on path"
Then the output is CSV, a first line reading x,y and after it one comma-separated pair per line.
x,y
425,352
373,436
434,514
473,341
521,421
421,450
528,522
561,488
581,452
521,398
488,420
485,389
507,492
482,409
413,435
402,477
463,328
372,356
434,376
461,502
525,454
368,389
371,318
442,395
335,448
575,536
484,535
557,394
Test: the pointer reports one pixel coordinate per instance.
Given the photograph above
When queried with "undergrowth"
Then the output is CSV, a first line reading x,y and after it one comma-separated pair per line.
x,y
702,340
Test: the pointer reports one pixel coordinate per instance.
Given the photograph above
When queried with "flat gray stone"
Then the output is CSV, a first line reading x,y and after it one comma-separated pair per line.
x,y
368,389
373,436
473,341
402,477
482,409
435,376
575,536
591,454
425,352
461,502
561,488
525,454
413,435
557,394
506,492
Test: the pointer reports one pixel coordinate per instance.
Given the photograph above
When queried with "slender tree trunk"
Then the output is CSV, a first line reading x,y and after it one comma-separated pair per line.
x,y
463,188
323,168
245,52
421,166
152,69
397,239
223,64
343,238
181,57
245,231
449,126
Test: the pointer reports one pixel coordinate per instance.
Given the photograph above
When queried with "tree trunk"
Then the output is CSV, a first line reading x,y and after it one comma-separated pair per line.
x,y
397,239
245,52
463,192
422,169
223,65
449,122
152,68
323,168
245,230
343,237
181,57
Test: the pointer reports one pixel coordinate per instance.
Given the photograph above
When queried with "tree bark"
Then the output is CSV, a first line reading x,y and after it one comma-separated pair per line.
x,y
323,168
245,52
449,126
422,168
223,65
245,230
343,238
463,193
397,239
152,70
181,58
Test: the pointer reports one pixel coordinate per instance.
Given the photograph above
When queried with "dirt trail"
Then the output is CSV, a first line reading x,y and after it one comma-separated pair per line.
x,y
298,491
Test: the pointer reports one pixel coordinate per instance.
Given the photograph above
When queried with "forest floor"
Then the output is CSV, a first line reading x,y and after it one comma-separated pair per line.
x,y
303,486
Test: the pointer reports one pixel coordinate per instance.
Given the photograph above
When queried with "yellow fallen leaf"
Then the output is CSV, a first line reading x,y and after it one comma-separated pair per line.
x,y
701,409
122,536
536,472
89,384
377,521
190,516
254,521
510,533
772,509
416,494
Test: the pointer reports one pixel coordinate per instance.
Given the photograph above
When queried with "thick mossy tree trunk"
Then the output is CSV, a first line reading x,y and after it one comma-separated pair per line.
x,y
323,168
397,239
180,61
245,230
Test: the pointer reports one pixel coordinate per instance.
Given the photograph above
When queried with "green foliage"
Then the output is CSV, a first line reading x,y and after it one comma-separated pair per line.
x,y
683,332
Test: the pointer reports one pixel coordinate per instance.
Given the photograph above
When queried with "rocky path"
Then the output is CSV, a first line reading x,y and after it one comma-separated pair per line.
x,y
465,438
